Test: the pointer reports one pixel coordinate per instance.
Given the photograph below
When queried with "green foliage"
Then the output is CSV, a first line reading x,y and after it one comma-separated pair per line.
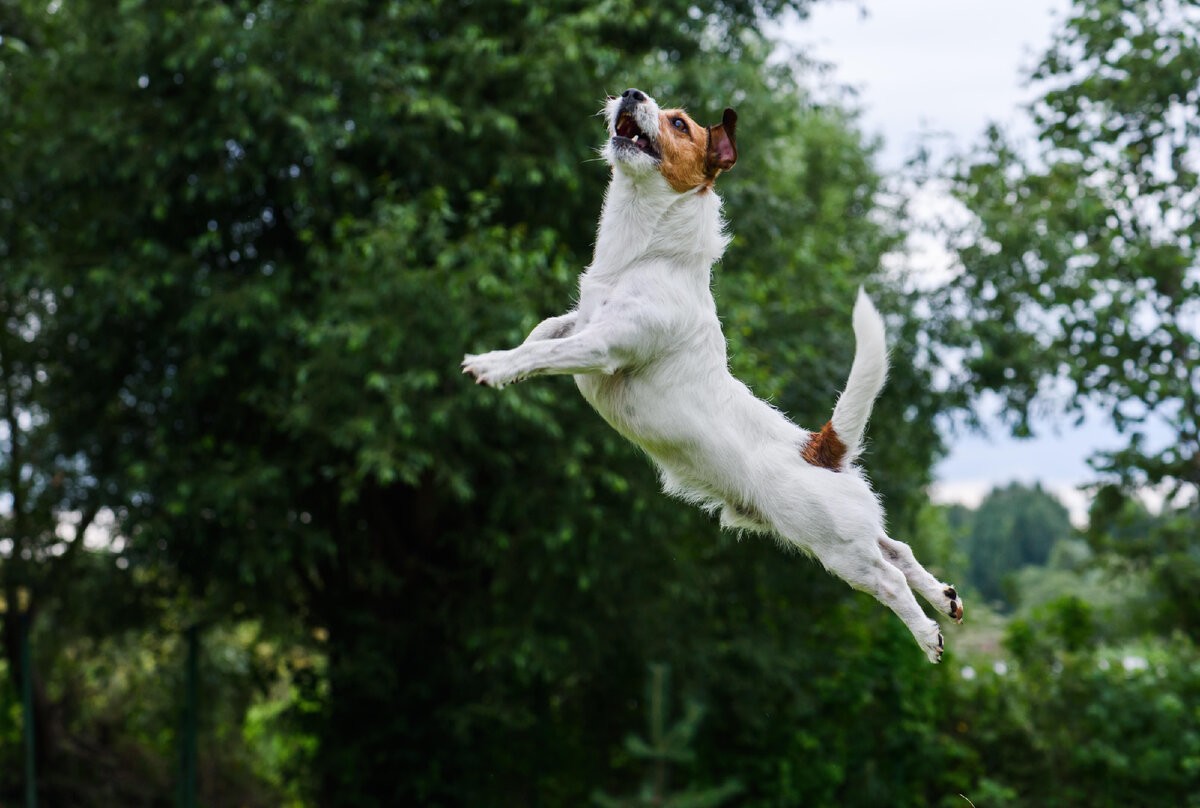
x,y
1117,595
245,246
1163,548
1085,727
1014,527
663,747
270,230
1079,278
118,698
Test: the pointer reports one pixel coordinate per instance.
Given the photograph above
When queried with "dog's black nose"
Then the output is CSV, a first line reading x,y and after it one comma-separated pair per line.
x,y
636,95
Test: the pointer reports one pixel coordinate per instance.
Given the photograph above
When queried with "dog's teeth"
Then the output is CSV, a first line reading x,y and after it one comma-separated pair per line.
x,y
635,137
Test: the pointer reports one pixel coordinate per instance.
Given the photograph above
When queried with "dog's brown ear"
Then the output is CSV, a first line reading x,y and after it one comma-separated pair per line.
x,y
722,143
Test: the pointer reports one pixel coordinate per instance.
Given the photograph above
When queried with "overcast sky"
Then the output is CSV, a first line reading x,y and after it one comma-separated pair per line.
x,y
950,67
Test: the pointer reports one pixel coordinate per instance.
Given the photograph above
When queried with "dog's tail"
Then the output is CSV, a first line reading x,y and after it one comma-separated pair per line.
x,y
840,440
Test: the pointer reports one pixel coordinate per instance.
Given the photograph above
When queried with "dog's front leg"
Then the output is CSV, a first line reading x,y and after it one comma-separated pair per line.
x,y
594,350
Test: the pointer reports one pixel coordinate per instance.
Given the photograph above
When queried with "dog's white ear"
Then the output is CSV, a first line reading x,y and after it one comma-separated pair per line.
x,y
722,143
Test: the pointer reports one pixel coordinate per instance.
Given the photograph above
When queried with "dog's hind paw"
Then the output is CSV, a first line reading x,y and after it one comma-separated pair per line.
x,y
933,644
954,606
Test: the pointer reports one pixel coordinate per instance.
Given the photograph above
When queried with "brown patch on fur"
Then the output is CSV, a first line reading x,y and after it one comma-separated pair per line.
x,y
693,155
683,151
825,449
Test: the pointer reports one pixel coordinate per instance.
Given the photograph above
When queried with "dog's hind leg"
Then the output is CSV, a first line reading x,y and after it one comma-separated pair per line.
x,y
869,572
942,596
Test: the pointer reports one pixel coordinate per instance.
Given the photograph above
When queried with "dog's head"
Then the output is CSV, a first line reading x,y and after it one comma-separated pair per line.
x,y
644,139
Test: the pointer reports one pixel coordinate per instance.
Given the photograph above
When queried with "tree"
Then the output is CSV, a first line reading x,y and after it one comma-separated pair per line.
x,y
270,230
1070,724
1080,276
48,499
1015,526
667,746
1160,546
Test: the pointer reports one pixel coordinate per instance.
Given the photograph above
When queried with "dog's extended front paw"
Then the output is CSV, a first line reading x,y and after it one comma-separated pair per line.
x,y
493,368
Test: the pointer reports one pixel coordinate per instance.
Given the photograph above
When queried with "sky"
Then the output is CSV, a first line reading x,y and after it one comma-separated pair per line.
x,y
944,66
948,68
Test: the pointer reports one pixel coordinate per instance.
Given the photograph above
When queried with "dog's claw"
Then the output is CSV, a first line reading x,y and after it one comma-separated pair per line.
x,y
932,643
490,369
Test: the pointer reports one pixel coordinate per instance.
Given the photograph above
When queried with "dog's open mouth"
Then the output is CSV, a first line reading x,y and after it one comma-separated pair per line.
x,y
628,131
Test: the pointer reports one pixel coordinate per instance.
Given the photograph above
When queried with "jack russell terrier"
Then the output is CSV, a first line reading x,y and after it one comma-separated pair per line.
x,y
646,349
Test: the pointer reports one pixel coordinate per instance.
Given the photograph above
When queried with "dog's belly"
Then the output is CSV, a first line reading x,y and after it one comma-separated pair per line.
x,y
650,405
638,406
707,433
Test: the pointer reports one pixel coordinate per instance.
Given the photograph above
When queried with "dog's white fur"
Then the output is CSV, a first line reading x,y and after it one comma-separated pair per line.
x,y
646,349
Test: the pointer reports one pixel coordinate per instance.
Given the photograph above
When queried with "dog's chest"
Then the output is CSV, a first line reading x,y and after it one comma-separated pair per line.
x,y
675,345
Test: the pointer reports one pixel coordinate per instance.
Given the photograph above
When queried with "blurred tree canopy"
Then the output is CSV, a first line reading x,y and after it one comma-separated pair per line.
x,y
1080,278
244,247
1079,273
1015,526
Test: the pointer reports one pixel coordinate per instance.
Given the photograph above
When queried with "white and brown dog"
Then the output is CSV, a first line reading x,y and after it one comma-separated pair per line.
x,y
646,350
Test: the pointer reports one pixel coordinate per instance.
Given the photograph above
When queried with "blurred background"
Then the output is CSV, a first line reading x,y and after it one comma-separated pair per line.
x,y
261,545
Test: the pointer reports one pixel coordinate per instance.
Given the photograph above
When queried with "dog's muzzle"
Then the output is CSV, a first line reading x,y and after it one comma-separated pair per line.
x,y
628,133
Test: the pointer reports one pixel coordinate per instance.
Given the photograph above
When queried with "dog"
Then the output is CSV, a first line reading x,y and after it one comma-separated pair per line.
x,y
647,352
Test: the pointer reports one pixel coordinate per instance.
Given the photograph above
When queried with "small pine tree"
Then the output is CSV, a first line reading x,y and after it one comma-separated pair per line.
x,y
664,747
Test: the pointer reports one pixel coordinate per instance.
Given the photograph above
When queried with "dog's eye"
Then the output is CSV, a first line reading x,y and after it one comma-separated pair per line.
x,y
679,124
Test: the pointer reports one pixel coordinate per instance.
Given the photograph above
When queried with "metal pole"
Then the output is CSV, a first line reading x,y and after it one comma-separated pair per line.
x,y
658,727
27,699
187,746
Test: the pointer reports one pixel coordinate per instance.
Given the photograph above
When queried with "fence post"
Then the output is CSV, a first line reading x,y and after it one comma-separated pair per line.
x,y
187,745
27,699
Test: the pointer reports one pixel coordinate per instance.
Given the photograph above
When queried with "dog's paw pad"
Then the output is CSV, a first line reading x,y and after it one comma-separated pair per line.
x,y
955,608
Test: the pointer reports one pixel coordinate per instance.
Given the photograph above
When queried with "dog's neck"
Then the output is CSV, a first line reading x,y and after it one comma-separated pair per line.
x,y
643,218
